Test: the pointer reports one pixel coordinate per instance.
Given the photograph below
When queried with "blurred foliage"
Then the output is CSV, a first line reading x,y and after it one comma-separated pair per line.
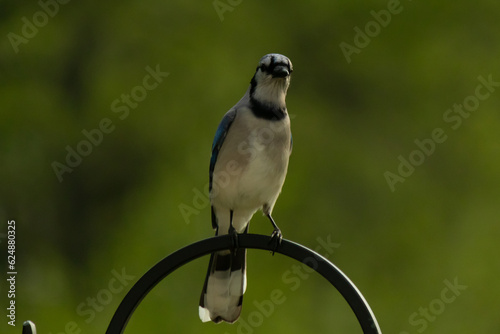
x,y
119,207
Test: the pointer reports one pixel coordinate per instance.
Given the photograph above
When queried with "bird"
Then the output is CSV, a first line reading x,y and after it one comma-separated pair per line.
x,y
248,166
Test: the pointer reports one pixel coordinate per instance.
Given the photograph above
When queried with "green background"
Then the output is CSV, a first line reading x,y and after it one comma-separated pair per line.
x,y
119,208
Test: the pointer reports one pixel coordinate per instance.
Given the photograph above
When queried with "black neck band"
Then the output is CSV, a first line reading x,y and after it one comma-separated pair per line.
x,y
266,111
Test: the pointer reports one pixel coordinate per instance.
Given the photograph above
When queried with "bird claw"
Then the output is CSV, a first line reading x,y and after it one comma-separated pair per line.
x,y
234,239
276,238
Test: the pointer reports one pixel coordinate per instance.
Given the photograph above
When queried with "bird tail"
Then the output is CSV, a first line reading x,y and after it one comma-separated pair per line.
x,y
225,284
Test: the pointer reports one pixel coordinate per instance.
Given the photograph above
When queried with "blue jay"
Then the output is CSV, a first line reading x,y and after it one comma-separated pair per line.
x,y
248,166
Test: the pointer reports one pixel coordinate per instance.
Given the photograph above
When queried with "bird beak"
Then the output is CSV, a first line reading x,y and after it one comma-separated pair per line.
x,y
280,71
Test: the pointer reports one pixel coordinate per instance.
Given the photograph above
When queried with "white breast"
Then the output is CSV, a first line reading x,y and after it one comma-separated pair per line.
x,y
260,149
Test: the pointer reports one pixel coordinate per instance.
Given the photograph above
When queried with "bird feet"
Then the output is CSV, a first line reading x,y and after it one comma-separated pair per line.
x,y
234,239
276,238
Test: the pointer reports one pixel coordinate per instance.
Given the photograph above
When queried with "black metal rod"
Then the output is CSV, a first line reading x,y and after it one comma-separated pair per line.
x,y
296,251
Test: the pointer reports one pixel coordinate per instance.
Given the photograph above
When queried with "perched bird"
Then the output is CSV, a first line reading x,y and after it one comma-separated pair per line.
x,y
248,166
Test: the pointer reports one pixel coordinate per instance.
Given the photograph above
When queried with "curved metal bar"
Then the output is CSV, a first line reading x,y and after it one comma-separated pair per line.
x,y
296,251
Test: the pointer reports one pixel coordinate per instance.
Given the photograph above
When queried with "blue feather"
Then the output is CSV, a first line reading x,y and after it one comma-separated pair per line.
x,y
220,135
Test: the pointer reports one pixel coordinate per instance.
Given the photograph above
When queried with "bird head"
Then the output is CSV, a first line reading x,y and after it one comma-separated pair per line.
x,y
271,80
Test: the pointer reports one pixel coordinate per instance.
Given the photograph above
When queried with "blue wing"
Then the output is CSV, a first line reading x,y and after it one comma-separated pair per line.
x,y
220,135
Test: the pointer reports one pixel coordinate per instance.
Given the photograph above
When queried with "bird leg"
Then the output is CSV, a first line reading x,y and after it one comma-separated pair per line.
x,y
276,236
232,232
